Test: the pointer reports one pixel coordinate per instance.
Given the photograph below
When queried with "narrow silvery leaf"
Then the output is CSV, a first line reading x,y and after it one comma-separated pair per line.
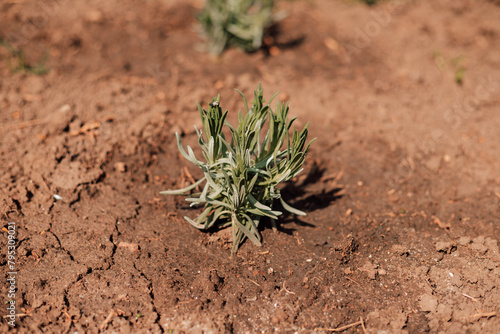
x,y
236,198
183,190
270,214
283,176
221,213
209,179
257,204
192,157
291,209
259,171
203,195
216,202
297,172
179,145
253,225
211,155
243,98
247,232
202,216
192,222
252,183
195,201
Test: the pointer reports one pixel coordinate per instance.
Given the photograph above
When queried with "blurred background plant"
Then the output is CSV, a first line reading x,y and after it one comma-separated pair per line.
x,y
238,23
456,64
18,63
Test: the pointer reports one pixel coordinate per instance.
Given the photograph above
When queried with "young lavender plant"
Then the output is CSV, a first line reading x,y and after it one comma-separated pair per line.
x,y
241,175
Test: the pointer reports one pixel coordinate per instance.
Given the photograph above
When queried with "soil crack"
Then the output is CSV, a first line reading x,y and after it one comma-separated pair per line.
x,y
152,296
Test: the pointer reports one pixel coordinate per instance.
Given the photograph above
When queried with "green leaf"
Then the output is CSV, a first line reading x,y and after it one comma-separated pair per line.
x,y
291,209
247,232
257,204
183,190
266,213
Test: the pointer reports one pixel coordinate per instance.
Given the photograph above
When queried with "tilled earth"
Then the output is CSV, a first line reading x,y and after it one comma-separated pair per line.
x,y
401,187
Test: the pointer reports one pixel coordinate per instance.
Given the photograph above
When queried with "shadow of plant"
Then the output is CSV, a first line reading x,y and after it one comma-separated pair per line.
x,y
309,194
271,40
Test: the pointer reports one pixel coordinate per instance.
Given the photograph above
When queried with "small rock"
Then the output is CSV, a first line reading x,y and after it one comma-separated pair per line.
x,y
444,311
32,97
130,246
478,245
472,274
120,167
219,84
94,16
479,240
279,316
445,247
370,269
428,303
439,256
382,272
479,248
420,271
464,241
433,163
69,175
434,325
400,250
492,245
490,265
64,108
375,315
160,96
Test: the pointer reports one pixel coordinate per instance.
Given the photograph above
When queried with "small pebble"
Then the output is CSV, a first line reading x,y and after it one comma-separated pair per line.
x,y
464,241
120,167
445,246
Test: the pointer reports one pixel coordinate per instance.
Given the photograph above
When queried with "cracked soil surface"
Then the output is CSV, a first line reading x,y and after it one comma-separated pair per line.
x,y
402,186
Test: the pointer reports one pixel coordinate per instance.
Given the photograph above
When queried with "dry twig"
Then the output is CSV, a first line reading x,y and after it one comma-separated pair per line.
x,y
188,175
444,226
108,319
251,280
363,325
18,315
288,291
350,279
23,125
484,315
474,299
66,314
343,328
